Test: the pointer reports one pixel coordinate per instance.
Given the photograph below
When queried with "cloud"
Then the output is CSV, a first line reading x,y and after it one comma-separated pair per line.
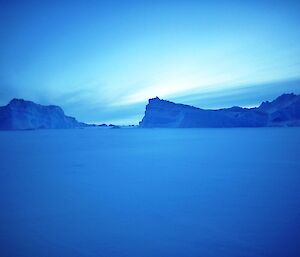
x,y
247,95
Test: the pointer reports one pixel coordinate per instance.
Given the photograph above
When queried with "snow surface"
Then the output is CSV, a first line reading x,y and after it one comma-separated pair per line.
x,y
150,192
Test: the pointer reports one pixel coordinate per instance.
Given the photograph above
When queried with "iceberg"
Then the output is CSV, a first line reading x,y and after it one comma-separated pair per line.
x,y
20,114
283,111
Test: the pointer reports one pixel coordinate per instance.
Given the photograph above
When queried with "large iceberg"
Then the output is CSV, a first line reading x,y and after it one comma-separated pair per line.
x,y
283,111
20,115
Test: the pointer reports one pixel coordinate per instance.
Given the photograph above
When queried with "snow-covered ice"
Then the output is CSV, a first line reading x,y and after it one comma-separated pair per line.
x,y
150,192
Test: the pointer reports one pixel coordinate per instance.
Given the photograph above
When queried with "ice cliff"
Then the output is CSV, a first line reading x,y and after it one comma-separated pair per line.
x,y
20,114
283,111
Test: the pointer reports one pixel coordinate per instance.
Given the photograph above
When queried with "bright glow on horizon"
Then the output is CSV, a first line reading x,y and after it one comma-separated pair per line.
x,y
103,60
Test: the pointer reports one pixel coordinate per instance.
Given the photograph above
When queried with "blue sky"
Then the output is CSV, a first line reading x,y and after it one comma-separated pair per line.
x,y
102,60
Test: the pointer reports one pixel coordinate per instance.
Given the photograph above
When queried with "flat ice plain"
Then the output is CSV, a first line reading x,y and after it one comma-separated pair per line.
x,y
150,192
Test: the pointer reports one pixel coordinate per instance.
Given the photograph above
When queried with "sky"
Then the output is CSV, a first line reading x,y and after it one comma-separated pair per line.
x,y
102,60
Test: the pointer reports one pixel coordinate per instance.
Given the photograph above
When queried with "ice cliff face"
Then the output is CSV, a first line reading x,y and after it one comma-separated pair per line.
x,y
283,111
20,114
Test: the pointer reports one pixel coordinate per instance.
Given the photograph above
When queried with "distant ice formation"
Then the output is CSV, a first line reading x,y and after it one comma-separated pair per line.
x,y
283,111
20,115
